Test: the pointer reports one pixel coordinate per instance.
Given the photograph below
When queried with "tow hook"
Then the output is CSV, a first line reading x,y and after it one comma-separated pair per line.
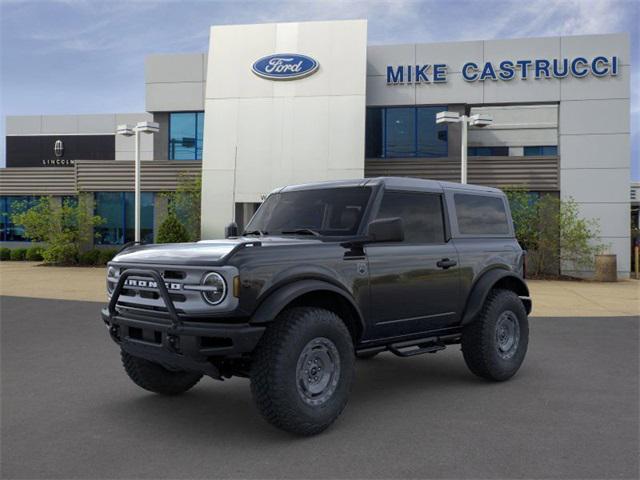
x,y
174,343
114,331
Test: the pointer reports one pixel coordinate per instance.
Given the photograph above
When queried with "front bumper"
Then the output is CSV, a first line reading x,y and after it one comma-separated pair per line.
x,y
189,346
174,341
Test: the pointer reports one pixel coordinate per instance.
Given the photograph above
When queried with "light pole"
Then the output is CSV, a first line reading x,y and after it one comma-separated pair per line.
x,y
477,120
128,131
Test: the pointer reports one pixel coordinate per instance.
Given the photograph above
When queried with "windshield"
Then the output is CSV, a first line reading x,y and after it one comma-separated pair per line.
x,y
326,212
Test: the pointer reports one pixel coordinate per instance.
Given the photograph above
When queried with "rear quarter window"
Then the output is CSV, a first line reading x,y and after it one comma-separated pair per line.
x,y
481,215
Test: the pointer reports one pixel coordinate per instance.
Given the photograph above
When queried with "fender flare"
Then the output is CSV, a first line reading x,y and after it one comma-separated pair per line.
x,y
277,300
480,290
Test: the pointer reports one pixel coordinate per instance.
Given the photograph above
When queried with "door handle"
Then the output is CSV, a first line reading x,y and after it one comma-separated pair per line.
x,y
446,263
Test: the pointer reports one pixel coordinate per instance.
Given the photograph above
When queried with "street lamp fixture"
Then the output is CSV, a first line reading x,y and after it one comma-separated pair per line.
x,y
128,131
477,120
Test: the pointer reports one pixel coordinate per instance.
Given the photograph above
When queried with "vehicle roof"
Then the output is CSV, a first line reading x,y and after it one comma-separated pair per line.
x,y
391,182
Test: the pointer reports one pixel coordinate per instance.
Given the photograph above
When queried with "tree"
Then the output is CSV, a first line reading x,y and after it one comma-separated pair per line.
x,y
63,227
172,231
184,203
579,237
553,232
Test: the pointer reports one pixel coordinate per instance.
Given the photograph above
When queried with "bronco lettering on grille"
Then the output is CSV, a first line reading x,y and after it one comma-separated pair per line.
x,y
131,282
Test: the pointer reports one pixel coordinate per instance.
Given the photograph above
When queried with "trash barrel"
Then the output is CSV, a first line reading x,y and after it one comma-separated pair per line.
x,y
606,268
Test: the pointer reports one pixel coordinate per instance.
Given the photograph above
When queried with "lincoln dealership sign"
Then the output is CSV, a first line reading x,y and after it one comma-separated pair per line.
x,y
285,66
58,150
506,70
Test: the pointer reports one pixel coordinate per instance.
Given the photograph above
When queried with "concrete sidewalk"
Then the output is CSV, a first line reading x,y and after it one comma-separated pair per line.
x,y
551,298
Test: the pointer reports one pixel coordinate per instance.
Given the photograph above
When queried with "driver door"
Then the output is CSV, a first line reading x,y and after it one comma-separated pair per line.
x,y
414,284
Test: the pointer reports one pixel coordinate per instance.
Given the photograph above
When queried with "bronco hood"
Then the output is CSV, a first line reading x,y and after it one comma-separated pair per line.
x,y
205,252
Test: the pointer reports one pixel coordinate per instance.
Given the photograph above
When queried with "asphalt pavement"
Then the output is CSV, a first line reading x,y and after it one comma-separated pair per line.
x,y
69,411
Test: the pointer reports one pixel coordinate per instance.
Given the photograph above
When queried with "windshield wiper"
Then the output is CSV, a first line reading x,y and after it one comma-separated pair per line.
x,y
301,231
254,232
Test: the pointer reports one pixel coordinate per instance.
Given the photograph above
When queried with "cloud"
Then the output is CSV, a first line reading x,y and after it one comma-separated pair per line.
x,y
67,56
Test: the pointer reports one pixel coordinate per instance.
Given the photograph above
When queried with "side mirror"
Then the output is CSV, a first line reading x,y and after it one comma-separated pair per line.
x,y
231,230
386,230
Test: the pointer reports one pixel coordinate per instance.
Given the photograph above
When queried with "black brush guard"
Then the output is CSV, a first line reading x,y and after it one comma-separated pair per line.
x,y
181,345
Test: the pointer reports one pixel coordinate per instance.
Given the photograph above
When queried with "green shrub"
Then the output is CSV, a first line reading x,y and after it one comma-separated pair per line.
x,y
172,231
65,254
64,227
34,254
18,254
106,255
90,257
184,203
553,233
5,254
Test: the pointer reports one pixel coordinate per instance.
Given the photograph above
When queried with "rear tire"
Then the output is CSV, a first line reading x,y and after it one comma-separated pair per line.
x,y
302,370
155,378
495,343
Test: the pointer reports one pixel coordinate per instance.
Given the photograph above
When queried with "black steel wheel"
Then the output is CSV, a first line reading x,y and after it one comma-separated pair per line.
x,y
318,371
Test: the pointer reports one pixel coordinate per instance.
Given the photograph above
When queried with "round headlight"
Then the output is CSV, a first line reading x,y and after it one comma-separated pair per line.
x,y
215,288
112,278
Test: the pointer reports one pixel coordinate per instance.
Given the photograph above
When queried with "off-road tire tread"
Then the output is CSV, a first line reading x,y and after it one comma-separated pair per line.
x,y
477,349
267,384
156,378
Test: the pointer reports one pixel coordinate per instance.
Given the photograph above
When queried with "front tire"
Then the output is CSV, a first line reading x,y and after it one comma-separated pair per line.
x,y
155,378
494,344
302,370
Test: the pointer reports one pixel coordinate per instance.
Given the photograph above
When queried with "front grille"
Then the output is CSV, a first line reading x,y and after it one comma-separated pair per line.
x,y
141,292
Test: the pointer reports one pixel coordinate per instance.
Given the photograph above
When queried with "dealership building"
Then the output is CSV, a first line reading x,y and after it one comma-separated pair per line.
x,y
275,104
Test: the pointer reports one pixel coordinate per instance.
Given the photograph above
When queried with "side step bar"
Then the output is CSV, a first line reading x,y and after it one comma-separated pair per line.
x,y
417,346
409,349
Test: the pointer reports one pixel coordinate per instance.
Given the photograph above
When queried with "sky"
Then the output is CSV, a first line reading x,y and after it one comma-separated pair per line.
x,y
87,56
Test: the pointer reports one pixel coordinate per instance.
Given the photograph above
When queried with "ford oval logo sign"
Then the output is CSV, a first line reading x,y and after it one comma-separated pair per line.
x,y
285,66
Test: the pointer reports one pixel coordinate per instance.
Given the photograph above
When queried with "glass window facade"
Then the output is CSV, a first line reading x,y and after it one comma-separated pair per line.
x,y
400,132
9,232
488,151
541,151
117,209
185,135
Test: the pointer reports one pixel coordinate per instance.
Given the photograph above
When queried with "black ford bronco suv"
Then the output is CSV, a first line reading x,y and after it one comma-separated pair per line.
x,y
325,273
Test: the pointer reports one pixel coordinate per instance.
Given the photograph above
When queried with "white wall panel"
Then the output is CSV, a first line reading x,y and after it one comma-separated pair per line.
x,y
594,117
595,151
455,90
283,132
453,54
174,68
613,220
593,45
520,91
59,124
591,87
596,185
97,124
521,49
379,56
381,94
174,97
23,125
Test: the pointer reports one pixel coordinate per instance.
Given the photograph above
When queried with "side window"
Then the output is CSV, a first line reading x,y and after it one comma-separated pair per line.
x,y
421,215
481,215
